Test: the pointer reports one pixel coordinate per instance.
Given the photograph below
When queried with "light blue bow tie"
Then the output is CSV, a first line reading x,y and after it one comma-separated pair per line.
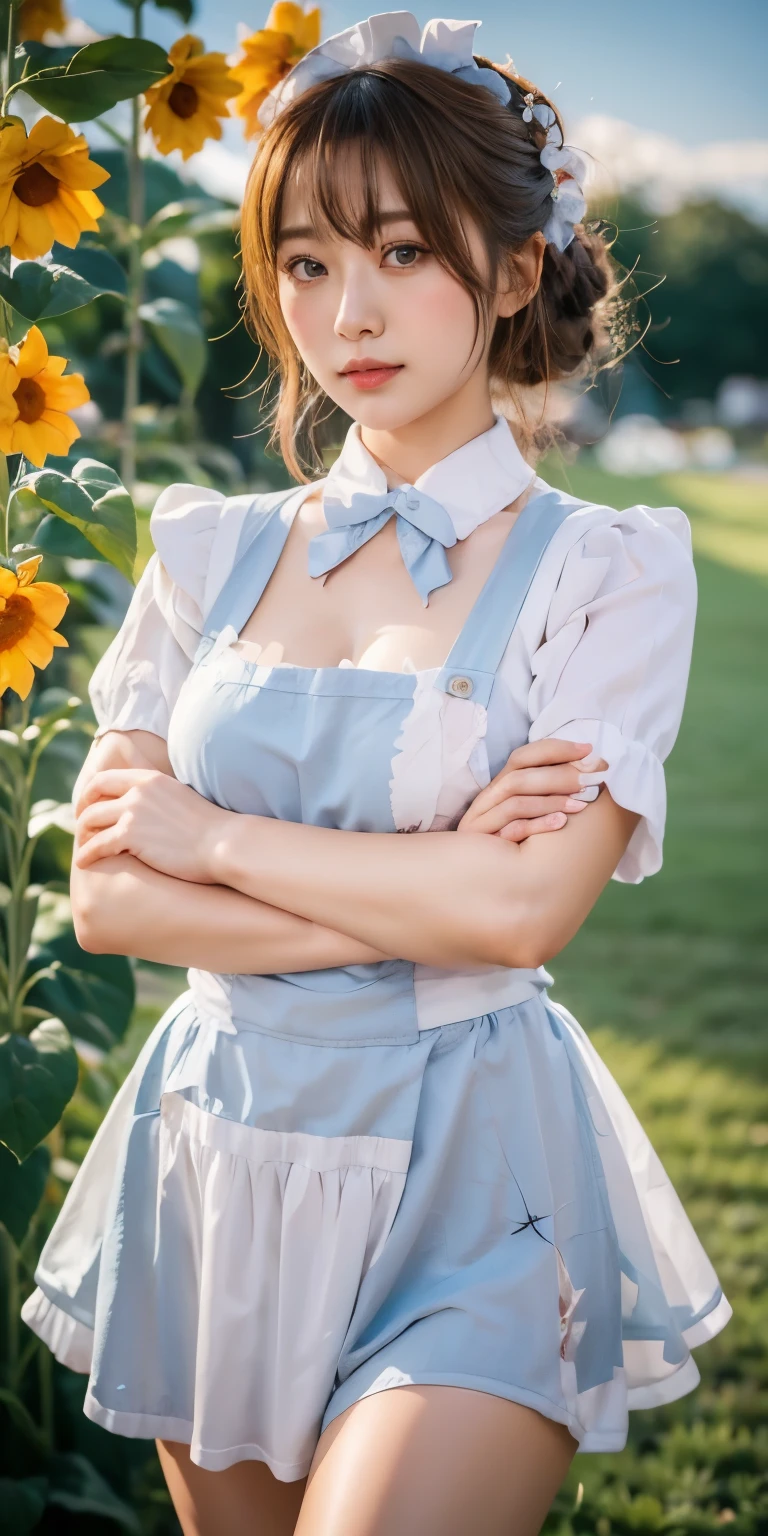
x,y
424,531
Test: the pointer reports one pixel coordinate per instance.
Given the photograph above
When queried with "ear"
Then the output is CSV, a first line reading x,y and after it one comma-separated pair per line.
x,y
521,280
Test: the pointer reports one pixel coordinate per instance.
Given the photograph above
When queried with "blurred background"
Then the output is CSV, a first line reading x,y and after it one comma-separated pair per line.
x,y
669,978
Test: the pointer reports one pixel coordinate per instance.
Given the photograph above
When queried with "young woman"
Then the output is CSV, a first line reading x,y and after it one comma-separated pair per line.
x,y
364,1151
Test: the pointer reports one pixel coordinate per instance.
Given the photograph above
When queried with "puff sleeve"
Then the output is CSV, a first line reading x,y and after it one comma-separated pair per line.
x,y
613,664
137,680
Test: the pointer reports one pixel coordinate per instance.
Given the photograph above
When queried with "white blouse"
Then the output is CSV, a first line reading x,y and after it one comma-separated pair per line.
x,y
601,651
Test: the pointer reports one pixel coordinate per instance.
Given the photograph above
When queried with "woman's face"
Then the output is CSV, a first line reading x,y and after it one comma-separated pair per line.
x,y
387,333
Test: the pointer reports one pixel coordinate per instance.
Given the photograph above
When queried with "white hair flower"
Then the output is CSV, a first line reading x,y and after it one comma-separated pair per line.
x,y
568,167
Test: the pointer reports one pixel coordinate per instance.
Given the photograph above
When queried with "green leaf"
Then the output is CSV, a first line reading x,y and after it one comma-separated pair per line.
x,y
93,995
178,218
36,56
181,337
39,292
183,8
22,1501
96,266
77,1486
55,537
51,813
21,1190
38,1076
162,185
96,77
21,1417
94,500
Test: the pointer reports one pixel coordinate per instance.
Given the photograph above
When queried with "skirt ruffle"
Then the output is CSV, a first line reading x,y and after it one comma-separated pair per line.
x,y
264,1231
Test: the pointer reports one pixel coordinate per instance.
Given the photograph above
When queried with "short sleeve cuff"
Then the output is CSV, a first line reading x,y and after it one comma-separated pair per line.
x,y
635,778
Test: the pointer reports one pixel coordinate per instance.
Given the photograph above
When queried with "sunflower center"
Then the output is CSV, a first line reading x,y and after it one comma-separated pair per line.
x,y
16,620
183,99
36,186
30,399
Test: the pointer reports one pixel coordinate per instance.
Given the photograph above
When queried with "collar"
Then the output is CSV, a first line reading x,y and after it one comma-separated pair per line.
x,y
473,483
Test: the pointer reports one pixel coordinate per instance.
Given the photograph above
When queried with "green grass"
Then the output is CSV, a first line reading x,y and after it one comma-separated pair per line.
x,y
669,978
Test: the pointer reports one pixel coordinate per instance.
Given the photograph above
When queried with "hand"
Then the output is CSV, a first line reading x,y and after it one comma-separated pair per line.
x,y
533,792
151,815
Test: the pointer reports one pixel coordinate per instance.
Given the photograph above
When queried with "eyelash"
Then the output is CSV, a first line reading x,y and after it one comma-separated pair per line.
x,y
398,245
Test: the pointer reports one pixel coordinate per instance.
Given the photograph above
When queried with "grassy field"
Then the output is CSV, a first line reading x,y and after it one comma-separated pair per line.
x,y
669,978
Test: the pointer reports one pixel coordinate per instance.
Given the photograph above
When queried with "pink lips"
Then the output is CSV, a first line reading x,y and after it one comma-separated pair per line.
x,y
367,373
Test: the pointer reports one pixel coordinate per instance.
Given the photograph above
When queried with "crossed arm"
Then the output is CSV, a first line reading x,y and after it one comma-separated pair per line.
x,y
161,873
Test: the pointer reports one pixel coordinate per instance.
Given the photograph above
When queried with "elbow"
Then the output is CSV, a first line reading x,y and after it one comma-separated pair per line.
x,y
526,940
86,926
92,913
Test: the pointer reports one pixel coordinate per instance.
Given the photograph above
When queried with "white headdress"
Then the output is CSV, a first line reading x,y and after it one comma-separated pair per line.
x,y
447,45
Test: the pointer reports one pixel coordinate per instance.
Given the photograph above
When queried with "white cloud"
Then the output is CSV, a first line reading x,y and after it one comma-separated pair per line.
x,y
222,171
667,173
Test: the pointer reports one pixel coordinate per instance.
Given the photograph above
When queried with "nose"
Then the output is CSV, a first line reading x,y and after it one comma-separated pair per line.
x,y
359,314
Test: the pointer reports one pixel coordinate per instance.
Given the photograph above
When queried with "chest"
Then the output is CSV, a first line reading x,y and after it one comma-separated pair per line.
x,y
366,610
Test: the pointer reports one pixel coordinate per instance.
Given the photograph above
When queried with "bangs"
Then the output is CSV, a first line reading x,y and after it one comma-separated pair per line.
x,y
370,122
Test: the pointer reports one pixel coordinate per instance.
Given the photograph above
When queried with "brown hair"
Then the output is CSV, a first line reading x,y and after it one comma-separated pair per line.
x,y
453,149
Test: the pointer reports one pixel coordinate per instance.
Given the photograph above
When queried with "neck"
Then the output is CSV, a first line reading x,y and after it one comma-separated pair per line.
x,y
410,450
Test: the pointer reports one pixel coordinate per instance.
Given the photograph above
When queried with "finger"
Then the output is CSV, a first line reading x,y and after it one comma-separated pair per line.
x,y
100,846
102,813
518,831
537,754
522,808
109,782
563,779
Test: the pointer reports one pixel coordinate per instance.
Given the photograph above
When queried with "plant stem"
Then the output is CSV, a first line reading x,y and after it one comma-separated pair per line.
x,y
10,1274
8,70
5,502
135,284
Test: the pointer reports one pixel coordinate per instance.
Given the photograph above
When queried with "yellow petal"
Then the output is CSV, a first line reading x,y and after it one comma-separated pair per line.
x,y
16,672
59,422
36,439
285,17
33,353
65,225
50,602
63,394
26,570
8,582
36,647
91,207
9,223
35,231
47,135
308,35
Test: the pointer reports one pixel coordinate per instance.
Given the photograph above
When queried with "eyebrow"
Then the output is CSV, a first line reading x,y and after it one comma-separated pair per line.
x,y
307,231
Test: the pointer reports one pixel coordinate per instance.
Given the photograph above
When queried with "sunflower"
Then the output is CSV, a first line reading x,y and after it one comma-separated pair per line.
x,y
34,400
29,613
185,107
36,17
269,54
46,183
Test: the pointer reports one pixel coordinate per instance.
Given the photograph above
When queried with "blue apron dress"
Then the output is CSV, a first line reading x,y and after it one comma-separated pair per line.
x,y
320,1185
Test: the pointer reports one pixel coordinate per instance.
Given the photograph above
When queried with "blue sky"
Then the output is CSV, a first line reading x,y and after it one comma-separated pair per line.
x,y
692,69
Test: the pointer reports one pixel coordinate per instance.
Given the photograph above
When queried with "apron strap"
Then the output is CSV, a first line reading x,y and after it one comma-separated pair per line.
x,y
259,548
471,667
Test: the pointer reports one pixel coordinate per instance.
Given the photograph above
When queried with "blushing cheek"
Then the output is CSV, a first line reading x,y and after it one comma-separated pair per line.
x,y
306,322
443,320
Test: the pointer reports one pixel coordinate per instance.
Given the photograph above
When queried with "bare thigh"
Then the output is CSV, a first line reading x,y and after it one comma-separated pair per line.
x,y
246,1500
435,1461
